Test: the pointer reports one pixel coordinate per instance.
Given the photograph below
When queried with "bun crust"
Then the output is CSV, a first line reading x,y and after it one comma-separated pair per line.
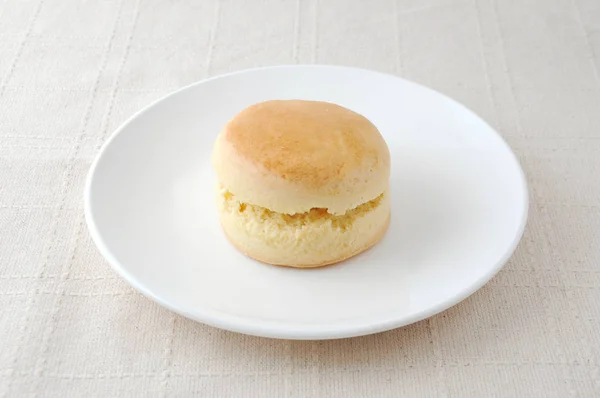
x,y
302,183
292,156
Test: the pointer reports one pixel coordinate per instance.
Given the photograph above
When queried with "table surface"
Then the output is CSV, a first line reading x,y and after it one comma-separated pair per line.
x,y
71,71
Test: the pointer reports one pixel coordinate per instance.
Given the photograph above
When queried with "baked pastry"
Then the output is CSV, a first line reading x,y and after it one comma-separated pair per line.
x,y
302,183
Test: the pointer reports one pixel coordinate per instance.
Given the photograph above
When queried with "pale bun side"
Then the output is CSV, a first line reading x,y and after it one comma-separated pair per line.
x,y
278,239
291,156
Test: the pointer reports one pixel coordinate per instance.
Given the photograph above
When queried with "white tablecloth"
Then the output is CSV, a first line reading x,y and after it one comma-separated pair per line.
x,y
72,70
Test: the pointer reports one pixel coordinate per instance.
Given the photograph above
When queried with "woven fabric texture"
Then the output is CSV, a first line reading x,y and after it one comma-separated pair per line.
x,y
72,70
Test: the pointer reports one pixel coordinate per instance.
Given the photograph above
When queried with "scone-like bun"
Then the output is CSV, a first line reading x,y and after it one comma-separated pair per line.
x,y
302,183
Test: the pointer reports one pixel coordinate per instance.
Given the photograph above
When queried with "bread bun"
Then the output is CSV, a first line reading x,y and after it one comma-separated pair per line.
x,y
302,183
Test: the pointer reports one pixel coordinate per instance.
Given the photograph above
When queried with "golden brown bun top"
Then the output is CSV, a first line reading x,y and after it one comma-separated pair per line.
x,y
309,153
304,141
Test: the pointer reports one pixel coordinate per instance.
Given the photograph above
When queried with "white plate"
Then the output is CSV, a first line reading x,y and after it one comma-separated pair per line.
x,y
459,206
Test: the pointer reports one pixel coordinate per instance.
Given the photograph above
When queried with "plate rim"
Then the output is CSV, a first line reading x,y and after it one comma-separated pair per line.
x,y
288,330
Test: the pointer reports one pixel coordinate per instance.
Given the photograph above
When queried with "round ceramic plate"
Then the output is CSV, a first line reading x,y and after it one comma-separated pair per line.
x,y
459,206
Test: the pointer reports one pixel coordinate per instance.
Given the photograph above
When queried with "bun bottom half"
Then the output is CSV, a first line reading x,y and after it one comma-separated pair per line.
x,y
307,240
